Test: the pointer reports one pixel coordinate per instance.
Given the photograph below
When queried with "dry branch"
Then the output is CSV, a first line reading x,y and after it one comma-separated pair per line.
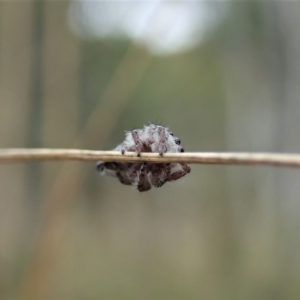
x,y
273,159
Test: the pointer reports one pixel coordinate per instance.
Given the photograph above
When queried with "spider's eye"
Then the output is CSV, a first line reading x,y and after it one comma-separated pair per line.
x,y
171,133
177,141
181,150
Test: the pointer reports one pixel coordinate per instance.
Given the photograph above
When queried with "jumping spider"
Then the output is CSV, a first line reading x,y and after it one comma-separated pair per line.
x,y
152,138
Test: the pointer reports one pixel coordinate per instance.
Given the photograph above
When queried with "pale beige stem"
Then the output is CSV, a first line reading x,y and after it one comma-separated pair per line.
x,y
273,159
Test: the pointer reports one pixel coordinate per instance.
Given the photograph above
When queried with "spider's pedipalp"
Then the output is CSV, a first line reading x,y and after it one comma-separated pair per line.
x,y
143,183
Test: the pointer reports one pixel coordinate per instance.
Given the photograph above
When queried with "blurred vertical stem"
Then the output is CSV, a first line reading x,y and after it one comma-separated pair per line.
x,y
33,176
37,281
275,41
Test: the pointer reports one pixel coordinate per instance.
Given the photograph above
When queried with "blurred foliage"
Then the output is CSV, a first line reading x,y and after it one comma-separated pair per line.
x,y
220,232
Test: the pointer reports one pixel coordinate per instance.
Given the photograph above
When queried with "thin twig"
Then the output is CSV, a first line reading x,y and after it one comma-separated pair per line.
x,y
273,159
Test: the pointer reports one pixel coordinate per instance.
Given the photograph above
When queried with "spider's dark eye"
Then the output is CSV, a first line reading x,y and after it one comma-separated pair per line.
x,y
181,150
177,142
171,133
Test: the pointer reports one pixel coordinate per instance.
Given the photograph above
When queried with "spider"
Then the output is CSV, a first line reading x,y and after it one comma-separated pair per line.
x,y
142,175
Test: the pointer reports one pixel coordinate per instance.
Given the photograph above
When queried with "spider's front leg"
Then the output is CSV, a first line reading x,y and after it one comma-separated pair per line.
x,y
137,142
143,183
180,171
162,141
137,147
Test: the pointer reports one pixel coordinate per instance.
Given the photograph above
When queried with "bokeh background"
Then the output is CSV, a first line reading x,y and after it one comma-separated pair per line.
x,y
224,76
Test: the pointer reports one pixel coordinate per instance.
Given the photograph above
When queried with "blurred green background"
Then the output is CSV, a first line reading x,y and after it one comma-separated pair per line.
x,y
224,76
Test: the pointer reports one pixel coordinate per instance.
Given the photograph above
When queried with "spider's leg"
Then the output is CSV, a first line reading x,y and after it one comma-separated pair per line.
x,y
182,171
143,184
123,178
160,174
137,142
162,141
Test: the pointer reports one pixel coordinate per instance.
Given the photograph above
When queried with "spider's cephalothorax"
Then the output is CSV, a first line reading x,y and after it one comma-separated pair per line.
x,y
152,138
